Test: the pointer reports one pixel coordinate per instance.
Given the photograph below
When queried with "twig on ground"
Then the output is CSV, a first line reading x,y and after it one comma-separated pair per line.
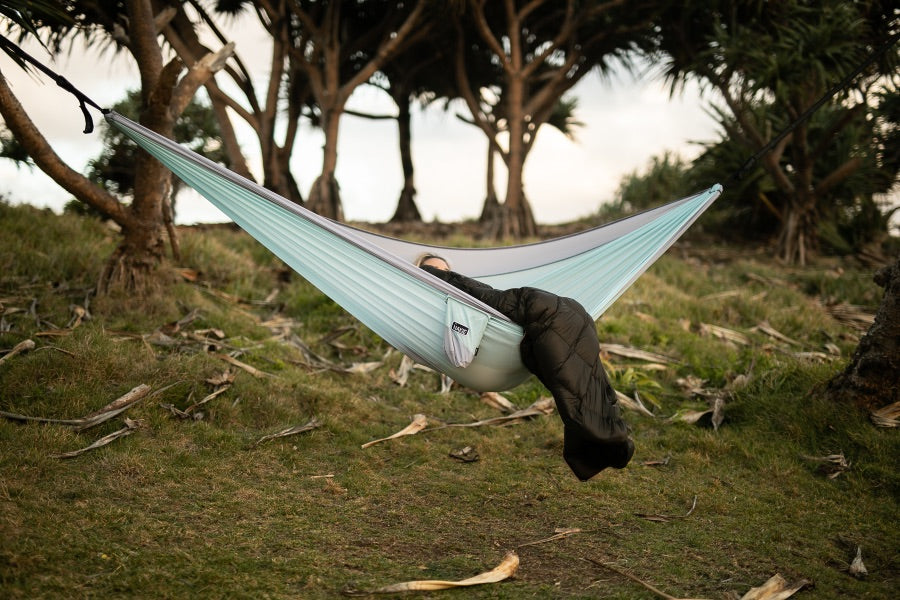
x,y
616,569
560,534
665,518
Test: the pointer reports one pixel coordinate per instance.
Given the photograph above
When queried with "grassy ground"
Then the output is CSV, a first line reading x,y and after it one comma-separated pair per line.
x,y
195,508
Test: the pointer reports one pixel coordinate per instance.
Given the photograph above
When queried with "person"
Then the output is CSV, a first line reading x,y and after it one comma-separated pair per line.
x,y
560,346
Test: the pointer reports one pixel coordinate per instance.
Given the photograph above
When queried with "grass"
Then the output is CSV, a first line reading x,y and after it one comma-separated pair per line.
x,y
192,508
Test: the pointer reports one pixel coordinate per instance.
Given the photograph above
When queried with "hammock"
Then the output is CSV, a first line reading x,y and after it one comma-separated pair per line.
x,y
373,277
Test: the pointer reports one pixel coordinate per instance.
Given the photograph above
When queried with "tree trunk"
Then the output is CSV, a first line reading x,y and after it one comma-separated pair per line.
x,y
798,229
325,197
872,379
406,206
490,218
132,265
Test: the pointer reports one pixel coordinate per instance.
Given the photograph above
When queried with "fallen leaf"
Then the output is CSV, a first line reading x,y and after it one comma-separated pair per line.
x,y
296,429
887,416
241,365
628,352
225,377
770,331
832,465
540,407
23,346
401,375
130,427
361,368
466,454
776,588
498,401
857,568
419,423
504,570
725,334
634,404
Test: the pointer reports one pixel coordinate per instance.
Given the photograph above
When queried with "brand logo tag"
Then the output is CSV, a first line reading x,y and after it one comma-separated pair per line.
x,y
459,328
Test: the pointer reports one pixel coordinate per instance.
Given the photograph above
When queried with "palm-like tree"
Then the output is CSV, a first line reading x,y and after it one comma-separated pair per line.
x,y
164,95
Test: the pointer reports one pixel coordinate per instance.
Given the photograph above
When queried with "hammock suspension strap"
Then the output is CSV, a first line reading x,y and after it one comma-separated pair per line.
x,y
61,81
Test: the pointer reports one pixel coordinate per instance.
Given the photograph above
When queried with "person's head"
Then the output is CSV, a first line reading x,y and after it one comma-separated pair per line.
x,y
434,261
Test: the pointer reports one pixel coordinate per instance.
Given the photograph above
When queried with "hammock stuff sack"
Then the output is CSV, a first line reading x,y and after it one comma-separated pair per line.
x,y
373,277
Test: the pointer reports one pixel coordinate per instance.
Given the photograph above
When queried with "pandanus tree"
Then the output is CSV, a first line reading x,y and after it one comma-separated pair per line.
x,y
542,49
338,46
771,64
272,111
166,90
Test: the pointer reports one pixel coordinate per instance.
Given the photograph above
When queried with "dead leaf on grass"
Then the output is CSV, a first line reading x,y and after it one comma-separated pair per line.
x,y
419,423
887,416
401,375
114,408
723,333
629,352
506,569
361,368
770,331
776,588
857,568
832,465
215,394
130,427
634,404
296,429
540,407
713,416
498,401
21,347
466,454
241,365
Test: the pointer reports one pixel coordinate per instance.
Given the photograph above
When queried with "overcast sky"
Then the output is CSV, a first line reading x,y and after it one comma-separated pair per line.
x,y
626,120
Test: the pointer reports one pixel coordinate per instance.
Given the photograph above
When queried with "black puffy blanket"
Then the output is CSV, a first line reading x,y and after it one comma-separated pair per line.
x,y
561,348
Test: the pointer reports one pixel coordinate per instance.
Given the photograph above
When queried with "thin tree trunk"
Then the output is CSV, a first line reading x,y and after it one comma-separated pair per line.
x,y
407,210
325,198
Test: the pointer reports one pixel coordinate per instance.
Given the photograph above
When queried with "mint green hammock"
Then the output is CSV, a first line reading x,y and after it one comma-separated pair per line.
x,y
374,277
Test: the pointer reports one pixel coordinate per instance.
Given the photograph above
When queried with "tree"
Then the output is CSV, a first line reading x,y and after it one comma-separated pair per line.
x,y
338,46
872,378
114,168
164,95
274,112
543,49
771,63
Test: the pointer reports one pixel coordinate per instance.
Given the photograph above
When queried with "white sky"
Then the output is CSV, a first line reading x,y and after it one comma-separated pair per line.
x,y
627,121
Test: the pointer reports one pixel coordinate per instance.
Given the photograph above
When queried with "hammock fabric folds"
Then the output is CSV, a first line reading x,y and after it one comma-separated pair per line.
x,y
373,277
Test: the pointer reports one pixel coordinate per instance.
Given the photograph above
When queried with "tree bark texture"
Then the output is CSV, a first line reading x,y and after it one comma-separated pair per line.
x,y
872,379
406,206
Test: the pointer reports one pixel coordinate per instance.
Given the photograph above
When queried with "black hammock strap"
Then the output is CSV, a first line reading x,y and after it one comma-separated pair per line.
x,y
61,81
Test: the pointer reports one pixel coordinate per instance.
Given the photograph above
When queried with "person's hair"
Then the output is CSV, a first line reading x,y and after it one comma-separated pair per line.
x,y
423,257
